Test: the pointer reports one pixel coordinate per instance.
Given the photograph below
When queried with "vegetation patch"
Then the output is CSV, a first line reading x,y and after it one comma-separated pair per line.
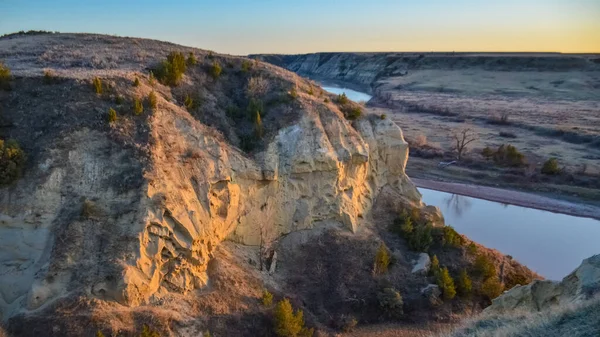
x,y
12,159
551,167
505,155
170,71
5,77
289,323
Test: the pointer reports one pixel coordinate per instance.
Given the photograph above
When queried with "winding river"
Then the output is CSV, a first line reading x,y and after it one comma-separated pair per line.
x,y
551,244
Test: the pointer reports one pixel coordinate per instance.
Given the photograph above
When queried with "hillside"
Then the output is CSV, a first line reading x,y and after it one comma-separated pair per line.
x,y
150,184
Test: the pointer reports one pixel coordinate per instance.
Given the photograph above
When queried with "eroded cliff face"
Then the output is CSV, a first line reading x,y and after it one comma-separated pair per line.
x,y
131,211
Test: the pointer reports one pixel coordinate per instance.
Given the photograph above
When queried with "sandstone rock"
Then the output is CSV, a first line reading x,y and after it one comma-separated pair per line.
x,y
432,292
582,284
422,264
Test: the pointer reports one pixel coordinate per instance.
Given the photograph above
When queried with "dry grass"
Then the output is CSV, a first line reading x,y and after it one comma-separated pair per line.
x,y
578,320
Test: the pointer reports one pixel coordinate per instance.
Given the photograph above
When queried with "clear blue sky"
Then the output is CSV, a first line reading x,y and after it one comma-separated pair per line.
x,y
263,26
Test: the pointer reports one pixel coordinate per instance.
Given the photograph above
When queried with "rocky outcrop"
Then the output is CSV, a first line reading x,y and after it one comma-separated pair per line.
x,y
132,211
421,265
582,284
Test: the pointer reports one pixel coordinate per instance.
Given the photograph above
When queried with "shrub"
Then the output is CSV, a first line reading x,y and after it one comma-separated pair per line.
x,y
49,77
353,113
112,115
257,87
136,82
383,116
151,79
215,70
421,239
293,93
472,248
446,284
451,238
12,159
246,66
342,99
206,334
311,90
191,60
99,334
551,167
391,301
382,260
492,288
119,100
509,155
288,323
464,285
267,298
170,72
254,106
487,152
484,266
258,127
188,102
5,77
153,100
97,85
348,323
326,100
435,266
138,107
147,332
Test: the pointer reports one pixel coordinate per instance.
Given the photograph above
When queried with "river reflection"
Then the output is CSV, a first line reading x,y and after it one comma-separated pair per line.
x,y
549,243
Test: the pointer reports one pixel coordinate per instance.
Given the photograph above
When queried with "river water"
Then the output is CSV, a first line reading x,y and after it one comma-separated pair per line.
x,y
353,95
551,244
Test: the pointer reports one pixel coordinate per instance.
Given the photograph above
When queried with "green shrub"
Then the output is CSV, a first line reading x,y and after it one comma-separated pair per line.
x,y
421,238
451,238
147,332
151,79
484,266
215,70
170,72
551,167
390,300
258,126
293,93
508,155
5,77
382,260
487,152
119,100
99,334
326,100
136,82
206,334
246,66
267,298
311,90
112,115
464,285
153,100
254,106
97,85
342,99
492,288
12,159
287,323
446,284
138,107
353,113
472,248
191,60
434,269
49,77
347,323
383,116
189,103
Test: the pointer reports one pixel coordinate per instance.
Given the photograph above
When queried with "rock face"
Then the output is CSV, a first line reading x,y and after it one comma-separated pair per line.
x,y
580,285
422,264
126,212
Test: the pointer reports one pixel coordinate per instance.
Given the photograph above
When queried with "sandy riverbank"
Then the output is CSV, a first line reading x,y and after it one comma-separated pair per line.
x,y
512,197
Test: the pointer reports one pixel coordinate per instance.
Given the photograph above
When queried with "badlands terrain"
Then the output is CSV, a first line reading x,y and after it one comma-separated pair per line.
x,y
152,189
545,105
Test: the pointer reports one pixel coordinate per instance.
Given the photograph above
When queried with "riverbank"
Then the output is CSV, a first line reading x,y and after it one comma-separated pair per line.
x,y
512,197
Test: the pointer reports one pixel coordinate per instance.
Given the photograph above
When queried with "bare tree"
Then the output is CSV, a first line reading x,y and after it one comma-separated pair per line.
x,y
461,139
257,87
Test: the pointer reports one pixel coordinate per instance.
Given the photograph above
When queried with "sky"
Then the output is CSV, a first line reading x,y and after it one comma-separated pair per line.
x,y
244,27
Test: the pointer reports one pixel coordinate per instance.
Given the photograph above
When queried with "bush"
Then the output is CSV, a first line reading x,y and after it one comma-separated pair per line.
x,y
258,127
382,260
49,77
326,100
153,100
492,288
136,82
246,66
446,284
119,100
342,99
288,323
464,285
151,79
170,72
188,102
403,225
408,226
99,334
391,301
112,115
435,266
12,159
551,167
484,266
215,70
97,85
348,323
147,332
383,116
192,60
138,107
488,153
293,93
353,113
421,239
472,248
267,298
311,90
451,238
5,77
